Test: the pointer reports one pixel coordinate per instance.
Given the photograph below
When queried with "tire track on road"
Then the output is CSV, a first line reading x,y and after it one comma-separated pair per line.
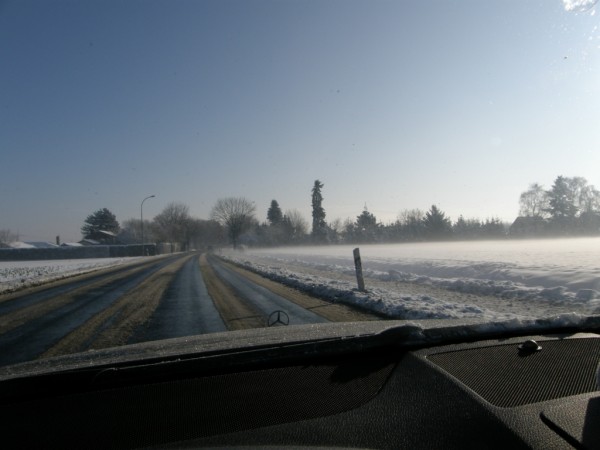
x,y
236,313
335,312
35,336
10,301
186,309
262,299
23,309
116,324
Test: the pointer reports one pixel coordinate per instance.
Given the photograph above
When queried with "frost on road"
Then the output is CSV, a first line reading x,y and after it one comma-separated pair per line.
x,y
106,309
186,308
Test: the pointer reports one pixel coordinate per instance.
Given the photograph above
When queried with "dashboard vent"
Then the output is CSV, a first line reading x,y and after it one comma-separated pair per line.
x,y
507,377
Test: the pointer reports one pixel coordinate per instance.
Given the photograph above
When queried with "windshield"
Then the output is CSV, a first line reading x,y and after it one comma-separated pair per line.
x,y
177,168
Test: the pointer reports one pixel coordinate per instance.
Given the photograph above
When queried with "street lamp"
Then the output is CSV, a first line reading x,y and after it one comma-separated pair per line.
x,y
142,219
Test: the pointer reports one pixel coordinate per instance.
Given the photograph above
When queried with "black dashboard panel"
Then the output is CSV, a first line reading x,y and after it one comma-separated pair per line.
x,y
511,375
469,395
578,421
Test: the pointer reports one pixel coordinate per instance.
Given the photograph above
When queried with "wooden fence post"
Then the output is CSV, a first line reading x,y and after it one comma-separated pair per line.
x,y
358,267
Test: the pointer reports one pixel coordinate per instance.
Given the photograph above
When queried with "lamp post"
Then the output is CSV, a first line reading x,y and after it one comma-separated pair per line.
x,y
142,219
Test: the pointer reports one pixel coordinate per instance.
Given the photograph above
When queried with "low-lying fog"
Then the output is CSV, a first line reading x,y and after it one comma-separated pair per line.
x,y
573,263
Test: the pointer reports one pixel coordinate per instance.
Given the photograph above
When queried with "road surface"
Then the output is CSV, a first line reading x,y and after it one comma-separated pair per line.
x,y
157,298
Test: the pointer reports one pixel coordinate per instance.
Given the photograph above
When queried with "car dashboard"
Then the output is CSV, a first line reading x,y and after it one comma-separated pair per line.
x,y
520,391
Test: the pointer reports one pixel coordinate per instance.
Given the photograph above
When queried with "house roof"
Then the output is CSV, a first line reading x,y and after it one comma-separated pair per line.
x,y
42,244
33,244
89,242
19,244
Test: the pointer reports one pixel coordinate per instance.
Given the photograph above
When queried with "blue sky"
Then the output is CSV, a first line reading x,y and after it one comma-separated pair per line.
x,y
391,104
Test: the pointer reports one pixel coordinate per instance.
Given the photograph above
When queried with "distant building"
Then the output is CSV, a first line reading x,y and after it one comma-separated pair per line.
x,y
528,226
107,237
40,244
32,244
89,242
101,238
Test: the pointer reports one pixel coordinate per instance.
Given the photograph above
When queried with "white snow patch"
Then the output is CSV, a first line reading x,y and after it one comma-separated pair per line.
x,y
19,274
529,279
388,303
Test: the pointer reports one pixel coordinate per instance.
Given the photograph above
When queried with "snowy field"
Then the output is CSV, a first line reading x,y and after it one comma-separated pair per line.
x,y
495,280
19,274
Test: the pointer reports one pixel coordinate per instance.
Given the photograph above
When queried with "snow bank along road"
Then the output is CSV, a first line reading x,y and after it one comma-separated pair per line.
x,y
151,299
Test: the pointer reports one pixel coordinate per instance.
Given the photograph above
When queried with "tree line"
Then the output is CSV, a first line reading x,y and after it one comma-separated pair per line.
x,y
570,207
233,220
173,225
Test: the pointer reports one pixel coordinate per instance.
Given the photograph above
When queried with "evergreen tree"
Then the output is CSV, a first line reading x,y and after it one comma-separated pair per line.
x,y
561,200
561,206
461,228
493,228
274,214
319,227
437,225
467,228
275,232
366,220
366,228
101,220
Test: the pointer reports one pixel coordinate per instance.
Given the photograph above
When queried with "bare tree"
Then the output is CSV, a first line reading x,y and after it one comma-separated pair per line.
x,y
411,224
204,234
408,216
172,223
589,200
585,196
234,213
534,201
131,231
296,226
336,228
6,237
